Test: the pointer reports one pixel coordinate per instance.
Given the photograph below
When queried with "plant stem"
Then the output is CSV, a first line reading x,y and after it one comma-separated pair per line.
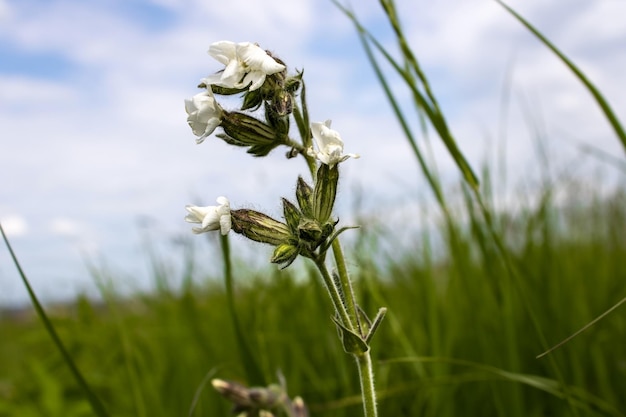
x,y
347,290
335,293
368,391
343,299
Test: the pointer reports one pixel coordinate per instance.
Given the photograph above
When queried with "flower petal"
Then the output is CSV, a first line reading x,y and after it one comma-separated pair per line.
x,y
329,144
210,217
257,78
223,51
204,114
225,224
253,56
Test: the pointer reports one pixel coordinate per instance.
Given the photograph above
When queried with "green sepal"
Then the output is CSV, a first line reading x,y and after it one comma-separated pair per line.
x,y
292,216
259,227
293,83
230,140
262,150
277,116
252,100
310,231
285,254
304,195
282,103
247,129
223,91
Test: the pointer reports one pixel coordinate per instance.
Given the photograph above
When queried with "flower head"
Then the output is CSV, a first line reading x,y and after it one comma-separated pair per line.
x,y
329,145
204,114
211,217
246,63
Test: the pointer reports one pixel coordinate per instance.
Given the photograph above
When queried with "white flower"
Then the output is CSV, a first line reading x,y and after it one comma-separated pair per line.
x,y
204,114
329,145
245,63
211,217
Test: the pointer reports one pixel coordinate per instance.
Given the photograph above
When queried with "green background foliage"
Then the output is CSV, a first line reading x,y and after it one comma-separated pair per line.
x,y
148,355
472,299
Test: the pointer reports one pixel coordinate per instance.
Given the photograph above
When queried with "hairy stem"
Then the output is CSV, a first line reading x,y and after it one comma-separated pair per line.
x,y
348,292
368,391
335,292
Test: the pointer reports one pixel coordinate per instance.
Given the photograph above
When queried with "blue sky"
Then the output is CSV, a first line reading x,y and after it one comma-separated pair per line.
x,y
95,143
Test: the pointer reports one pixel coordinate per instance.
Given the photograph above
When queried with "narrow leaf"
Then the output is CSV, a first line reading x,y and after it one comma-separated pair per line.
x,y
604,105
94,401
352,342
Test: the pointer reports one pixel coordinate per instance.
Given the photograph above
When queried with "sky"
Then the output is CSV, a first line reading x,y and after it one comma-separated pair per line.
x,y
97,161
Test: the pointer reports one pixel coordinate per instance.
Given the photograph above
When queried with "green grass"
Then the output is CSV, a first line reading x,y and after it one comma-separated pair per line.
x,y
473,298
444,350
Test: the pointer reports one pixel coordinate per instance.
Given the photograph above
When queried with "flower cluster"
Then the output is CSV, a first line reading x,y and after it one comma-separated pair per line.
x,y
271,101
250,70
263,82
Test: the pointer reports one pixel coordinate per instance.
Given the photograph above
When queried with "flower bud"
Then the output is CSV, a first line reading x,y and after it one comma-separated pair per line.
x,y
245,130
254,398
310,231
293,83
285,254
259,227
299,408
252,100
292,215
304,195
325,192
282,103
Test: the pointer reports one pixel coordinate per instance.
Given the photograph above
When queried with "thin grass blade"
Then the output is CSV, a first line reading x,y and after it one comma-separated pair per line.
x,y
94,401
250,365
597,95
580,398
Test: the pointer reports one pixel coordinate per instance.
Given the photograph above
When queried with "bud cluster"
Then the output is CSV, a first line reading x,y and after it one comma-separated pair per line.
x,y
307,227
259,401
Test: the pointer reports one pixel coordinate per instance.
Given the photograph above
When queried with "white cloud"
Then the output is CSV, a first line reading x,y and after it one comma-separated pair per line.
x,y
65,227
14,225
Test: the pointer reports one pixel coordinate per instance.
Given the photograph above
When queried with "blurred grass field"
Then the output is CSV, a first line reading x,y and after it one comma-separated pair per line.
x,y
458,339
473,297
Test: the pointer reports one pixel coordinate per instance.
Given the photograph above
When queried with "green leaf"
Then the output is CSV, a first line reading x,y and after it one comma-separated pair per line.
x,y
352,342
374,325
604,105
96,405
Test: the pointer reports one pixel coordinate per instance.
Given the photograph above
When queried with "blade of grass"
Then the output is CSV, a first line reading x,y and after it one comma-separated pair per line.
x,y
94,401
426,102
252,368
585,327
604,105
582,399
438,119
